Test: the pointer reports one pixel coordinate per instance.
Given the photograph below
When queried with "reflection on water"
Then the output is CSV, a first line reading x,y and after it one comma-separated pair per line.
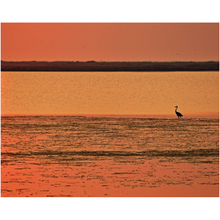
x,y
109,156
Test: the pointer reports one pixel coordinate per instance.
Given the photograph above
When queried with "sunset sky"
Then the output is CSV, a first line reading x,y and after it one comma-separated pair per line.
x,y
110,41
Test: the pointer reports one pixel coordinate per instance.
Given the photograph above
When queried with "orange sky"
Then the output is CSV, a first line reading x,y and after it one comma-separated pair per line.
x,y
110,41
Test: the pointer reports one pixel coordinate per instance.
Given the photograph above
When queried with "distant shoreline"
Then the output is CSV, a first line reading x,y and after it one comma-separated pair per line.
x,y
108,66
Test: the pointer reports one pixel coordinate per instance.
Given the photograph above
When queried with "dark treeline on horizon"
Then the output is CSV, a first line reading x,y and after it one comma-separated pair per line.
x,y
108,66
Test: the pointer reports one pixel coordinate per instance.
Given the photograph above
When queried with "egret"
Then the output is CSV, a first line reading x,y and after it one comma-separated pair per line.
x,y
178,113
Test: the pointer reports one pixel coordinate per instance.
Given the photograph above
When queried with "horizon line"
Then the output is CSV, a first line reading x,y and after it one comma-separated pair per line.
x,y
193,115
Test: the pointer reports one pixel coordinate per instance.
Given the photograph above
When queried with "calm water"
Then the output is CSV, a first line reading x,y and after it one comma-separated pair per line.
x,y
125,93
109,156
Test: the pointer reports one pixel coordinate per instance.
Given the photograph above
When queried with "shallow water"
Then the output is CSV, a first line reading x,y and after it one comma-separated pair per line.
x,y
109,156
125,93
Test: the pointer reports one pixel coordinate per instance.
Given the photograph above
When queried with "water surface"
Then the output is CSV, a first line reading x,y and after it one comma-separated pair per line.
x,y
123,93
109,156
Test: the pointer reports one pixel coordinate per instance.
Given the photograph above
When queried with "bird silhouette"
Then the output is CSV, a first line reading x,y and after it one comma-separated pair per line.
x,y
178,113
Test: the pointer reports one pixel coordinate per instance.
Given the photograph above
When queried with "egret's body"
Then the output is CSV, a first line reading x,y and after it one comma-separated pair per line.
x,y
178,113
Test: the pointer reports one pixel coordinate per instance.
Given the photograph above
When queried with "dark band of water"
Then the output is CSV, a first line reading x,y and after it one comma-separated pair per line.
x,y
151,153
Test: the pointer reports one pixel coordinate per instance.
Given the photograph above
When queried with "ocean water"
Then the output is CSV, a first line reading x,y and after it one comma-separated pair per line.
x,y
106,156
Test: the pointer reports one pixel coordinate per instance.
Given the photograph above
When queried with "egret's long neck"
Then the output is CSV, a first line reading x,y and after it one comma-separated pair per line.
x,y
176,109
